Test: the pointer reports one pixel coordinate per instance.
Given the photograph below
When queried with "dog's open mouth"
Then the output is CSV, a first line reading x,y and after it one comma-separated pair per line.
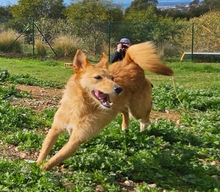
x,y
103,98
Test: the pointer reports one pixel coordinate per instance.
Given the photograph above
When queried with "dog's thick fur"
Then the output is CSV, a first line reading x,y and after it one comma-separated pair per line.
x,y
95,94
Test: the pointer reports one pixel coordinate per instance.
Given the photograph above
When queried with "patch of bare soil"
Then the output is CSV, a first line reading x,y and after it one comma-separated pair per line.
x,y
44,98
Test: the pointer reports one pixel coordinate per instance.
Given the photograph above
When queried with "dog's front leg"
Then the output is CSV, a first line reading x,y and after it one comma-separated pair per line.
x,y
69,149
143,124
125,120
48,143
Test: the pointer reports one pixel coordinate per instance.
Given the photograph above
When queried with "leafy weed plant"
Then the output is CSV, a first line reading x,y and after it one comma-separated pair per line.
x,y
169,96
28,80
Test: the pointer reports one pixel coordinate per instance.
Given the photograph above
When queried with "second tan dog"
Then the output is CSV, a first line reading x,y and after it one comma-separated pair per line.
x,y
95,94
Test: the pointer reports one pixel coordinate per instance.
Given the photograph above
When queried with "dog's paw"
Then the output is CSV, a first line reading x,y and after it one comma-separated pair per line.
x,y
143,126
124,128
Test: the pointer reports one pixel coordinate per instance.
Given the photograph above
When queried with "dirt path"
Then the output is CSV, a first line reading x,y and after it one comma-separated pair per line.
x,y
43,98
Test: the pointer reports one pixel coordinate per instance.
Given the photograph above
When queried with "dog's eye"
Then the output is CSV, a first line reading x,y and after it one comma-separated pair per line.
x,y
113,78
98,77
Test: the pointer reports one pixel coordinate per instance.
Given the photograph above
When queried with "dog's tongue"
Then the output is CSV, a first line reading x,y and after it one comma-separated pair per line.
x,y
103,98
99,94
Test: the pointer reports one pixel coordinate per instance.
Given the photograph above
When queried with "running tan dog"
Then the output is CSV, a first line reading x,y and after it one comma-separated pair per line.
x,y
95,94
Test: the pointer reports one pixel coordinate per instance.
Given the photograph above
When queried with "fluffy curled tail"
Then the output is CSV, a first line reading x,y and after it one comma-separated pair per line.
x,y
145,55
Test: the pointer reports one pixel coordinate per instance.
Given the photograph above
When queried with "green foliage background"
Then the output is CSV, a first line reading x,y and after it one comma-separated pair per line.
x,y
98,25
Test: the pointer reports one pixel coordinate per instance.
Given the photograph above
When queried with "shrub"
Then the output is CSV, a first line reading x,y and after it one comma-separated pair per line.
x,y
6,40
4,74
66,46
41,48
168,50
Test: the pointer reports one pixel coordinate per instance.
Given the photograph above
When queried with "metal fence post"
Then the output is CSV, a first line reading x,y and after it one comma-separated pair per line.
x,y
109,39
192,48
33,40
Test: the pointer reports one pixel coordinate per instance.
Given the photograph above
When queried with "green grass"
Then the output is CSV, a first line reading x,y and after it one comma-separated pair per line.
x,y
185,73
176,156
191,75
47,70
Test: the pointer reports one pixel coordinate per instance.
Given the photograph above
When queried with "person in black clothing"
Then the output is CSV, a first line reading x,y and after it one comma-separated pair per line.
x,y
122,46
119,54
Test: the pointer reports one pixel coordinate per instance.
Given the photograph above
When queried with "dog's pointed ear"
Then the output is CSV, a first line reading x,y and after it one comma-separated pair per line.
x,y
103,62
80,61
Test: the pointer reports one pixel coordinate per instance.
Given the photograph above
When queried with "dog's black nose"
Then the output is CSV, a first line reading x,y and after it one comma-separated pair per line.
x,y
117,89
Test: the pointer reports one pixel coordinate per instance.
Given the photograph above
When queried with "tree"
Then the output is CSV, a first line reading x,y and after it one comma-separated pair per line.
x,y
4,13
38,9
196,11
199,8
146,25
212,5
138,5
89,18
95,10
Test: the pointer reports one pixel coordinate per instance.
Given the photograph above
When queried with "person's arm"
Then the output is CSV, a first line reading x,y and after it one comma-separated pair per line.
x,y
116,57
117,54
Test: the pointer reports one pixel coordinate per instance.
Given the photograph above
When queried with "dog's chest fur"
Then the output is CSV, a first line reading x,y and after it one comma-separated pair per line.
x,y
79,112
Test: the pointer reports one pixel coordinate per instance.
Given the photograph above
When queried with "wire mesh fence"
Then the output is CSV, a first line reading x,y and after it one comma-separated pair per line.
x,y
61,38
